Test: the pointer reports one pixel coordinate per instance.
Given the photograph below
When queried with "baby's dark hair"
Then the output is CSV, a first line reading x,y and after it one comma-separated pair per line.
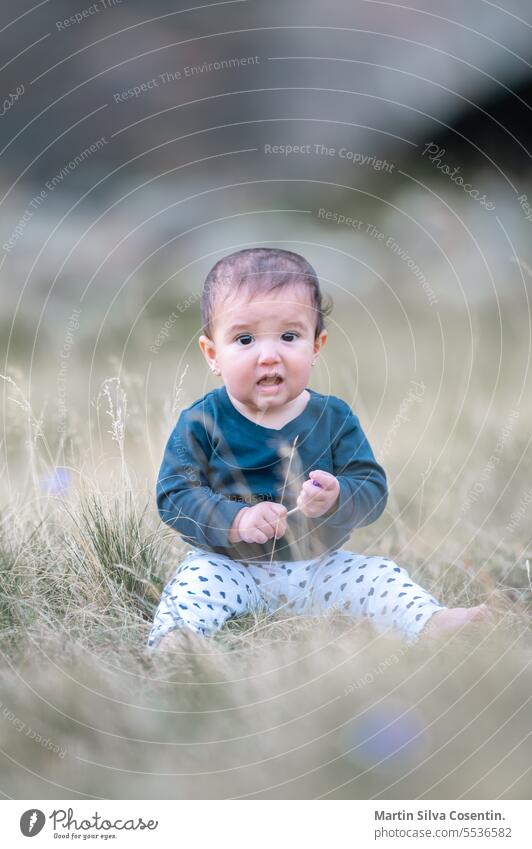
x,y
263,270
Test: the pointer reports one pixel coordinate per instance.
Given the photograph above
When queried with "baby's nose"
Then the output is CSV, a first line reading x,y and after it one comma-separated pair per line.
x,y
268,353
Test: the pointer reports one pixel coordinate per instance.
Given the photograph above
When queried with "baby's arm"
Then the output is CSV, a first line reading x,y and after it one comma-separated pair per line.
x,y
185,499
361,491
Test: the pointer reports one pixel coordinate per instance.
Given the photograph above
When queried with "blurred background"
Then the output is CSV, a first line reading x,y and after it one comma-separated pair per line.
x,y
387,144
390,145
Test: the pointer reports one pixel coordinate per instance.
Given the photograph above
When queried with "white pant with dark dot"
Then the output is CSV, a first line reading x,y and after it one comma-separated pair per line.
x,y
207,589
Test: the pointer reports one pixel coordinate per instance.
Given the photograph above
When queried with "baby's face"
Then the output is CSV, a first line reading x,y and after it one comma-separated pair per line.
x,y
263,345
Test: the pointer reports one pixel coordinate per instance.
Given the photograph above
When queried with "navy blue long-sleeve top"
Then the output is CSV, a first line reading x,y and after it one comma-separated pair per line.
x,y
217,461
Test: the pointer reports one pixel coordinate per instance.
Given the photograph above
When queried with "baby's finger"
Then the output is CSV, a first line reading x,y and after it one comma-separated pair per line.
x,y
259,536
309,491
280,528
277,523
277,519
313,495
267,527
324,479
275,512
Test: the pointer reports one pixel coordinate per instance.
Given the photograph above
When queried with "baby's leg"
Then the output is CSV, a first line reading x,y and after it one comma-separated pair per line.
x,y
373,587
206,590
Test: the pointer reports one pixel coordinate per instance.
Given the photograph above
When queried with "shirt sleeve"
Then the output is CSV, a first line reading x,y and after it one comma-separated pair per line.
x,y
184,498
363,486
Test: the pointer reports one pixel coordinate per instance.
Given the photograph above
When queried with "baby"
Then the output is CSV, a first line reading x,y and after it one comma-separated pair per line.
x,y
266,479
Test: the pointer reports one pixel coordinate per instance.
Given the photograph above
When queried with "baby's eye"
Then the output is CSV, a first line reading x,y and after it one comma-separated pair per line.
x,y
244,339
291,336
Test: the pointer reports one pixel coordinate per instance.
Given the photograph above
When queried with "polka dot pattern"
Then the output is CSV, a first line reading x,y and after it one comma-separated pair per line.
x,y
222,589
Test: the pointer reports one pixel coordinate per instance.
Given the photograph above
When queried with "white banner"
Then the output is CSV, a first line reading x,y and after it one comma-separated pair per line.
x,y
272,824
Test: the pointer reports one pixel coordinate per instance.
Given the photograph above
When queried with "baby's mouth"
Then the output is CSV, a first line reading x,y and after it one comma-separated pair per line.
x,y
270,380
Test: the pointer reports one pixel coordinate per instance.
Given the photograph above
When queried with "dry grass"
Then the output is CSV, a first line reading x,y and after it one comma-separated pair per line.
x,y
271,707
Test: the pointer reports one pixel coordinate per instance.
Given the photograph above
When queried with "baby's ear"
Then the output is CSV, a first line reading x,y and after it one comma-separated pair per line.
x,y
208,349
320,341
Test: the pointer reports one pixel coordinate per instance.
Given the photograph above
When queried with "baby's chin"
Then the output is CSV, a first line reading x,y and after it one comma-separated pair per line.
x,y
267,403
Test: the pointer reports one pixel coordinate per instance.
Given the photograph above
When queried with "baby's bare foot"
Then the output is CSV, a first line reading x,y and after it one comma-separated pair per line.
x,y
454,618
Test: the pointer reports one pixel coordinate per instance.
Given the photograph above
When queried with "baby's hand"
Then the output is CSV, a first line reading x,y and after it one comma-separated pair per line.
x,y
318,494
259,523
